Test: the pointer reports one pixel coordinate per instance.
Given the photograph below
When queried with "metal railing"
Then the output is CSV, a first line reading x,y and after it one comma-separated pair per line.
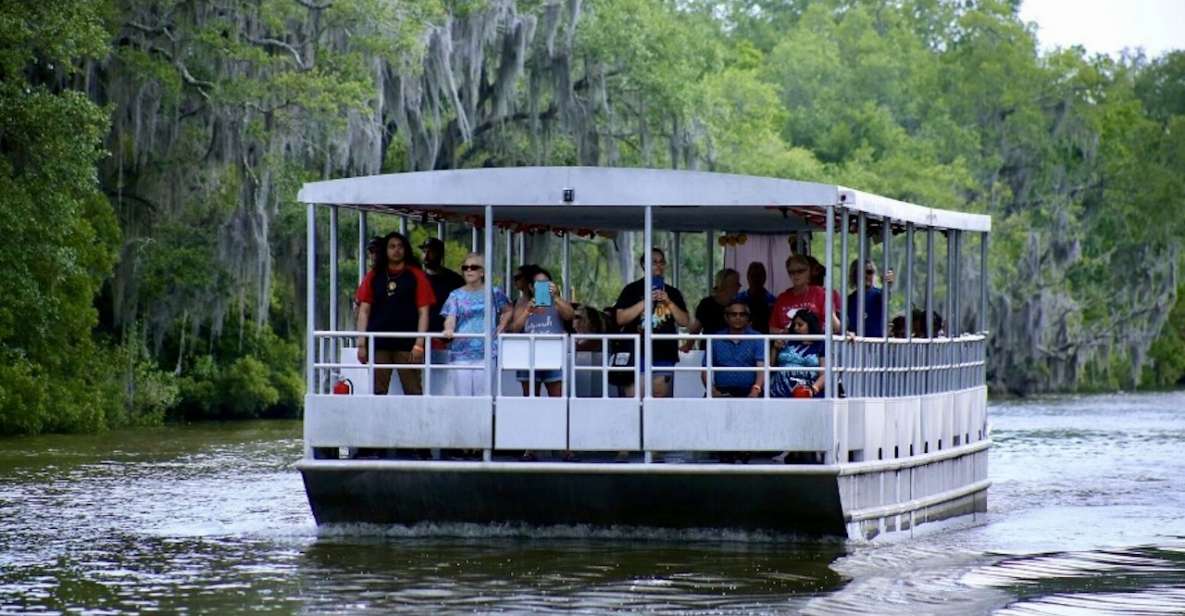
x,y
769,343
606,365
863,367
894,367
325,373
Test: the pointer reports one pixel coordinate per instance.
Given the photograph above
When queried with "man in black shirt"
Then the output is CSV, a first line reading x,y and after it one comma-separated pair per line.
x,y
443,280
670,312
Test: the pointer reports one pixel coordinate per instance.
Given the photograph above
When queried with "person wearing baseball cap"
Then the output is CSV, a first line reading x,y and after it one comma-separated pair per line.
x,y
443,281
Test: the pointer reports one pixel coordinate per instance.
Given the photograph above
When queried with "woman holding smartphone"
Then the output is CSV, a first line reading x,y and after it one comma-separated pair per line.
x,y
544,312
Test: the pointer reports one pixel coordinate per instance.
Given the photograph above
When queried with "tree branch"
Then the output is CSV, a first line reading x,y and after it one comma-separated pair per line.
x,y
271,42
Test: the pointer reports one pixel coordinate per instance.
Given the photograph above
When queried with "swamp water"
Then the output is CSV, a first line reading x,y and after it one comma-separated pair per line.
x,y
1086,516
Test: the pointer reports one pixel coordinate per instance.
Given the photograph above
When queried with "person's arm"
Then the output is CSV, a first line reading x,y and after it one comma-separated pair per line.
x,y
521,312
363,319
759,385
504,318
682,319
562,306
450,327
694,328
625,316
417,351
821,380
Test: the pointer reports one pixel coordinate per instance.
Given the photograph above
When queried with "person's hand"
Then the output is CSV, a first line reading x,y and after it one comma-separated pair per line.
x,y
715,393
890,277
755,392
687,346
553,289
417,354
448,335
362,357
660,296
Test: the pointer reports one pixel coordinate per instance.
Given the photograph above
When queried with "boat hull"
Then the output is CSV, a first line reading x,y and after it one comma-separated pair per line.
x,y
850,500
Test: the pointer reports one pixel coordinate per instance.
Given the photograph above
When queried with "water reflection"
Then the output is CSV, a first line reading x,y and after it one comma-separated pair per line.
x,y
1084,518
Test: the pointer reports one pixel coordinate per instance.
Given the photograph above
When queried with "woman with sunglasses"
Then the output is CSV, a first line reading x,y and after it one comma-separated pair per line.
x,y
464,313
801,294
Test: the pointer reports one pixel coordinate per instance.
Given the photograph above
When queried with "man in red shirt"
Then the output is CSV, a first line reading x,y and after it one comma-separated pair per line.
x,y
395,296
801,294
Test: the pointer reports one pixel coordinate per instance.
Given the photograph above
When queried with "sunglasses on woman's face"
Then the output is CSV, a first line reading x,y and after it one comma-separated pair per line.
x,y
471,268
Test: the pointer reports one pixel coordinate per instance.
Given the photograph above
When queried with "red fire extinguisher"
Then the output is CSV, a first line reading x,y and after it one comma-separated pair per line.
x,y
343,387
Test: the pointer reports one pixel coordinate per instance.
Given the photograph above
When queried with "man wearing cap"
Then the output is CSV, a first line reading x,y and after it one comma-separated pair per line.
x,y
442,279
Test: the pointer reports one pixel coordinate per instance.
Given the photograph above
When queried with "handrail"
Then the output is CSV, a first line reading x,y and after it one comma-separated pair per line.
x,y
957,362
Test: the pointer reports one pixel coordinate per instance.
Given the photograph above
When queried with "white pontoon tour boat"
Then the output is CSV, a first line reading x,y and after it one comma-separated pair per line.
x,y
898,436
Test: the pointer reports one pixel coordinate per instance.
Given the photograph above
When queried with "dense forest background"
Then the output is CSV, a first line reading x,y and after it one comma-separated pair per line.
x,y
151,150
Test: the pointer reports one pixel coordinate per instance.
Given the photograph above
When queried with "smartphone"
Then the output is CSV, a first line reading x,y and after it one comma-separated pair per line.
x,y
657,284
542,293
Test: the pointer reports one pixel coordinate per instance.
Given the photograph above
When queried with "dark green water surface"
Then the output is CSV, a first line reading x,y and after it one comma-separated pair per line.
x,y
1086,516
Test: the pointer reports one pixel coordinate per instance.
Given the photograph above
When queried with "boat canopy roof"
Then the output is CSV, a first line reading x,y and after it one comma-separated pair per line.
x,y
611,198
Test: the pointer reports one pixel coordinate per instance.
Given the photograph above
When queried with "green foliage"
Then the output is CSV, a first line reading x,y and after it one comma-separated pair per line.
x,y
60,232
1166,366
217,113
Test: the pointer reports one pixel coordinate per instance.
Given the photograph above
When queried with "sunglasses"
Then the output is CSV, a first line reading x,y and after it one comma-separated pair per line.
x,y
471,268
736,314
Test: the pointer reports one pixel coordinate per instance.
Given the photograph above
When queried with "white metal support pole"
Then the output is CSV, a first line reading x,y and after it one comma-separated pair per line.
x,y
508,267
842,357
567,266
983,306
334,343
929,310
492,375
473,239
403,226
983,282
333,324
950,283
677,258
440,230
363,241
647,312
861,263
522,247
310,320
886,353
829,309
909,273
711,270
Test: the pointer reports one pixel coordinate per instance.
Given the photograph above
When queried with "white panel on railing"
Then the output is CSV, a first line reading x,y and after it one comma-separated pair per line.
x,y
742,424
867,426
549,353
689,384
516,353
961,418
390,421
933,411
902,426
531,423
605,424
359,377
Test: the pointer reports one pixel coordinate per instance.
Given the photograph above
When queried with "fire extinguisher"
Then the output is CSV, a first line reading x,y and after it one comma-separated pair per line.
x,y
343,387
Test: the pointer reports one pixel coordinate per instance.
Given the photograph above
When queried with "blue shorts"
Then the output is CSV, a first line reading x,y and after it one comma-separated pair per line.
x,y
546,376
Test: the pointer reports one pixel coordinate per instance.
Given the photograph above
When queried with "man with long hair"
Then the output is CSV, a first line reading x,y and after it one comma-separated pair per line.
x,y
395,296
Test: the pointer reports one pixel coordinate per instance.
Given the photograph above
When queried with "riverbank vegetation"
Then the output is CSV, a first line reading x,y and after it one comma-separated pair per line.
x,y
151,150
